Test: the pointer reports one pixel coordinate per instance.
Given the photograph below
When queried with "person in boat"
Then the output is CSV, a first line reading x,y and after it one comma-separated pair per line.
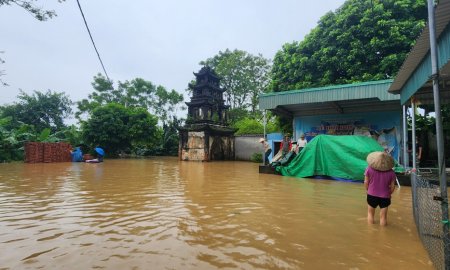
x,y
100,153
285,148
286,145
286,153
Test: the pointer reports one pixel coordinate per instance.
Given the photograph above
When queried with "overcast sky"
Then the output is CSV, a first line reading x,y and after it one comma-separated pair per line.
x,y
160,41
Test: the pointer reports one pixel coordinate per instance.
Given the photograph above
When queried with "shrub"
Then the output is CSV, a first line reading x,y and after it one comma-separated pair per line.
x,y
256,157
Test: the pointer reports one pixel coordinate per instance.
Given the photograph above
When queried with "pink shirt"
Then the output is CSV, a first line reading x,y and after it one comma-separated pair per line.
x,y
379,182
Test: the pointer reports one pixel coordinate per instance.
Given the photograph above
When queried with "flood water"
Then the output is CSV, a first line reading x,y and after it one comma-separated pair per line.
x,y
168,214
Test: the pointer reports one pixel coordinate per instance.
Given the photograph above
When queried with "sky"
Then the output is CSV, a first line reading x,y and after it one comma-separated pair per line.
x,y
160,41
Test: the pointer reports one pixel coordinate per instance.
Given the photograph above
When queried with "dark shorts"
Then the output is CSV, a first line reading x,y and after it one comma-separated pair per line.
x,y
375,201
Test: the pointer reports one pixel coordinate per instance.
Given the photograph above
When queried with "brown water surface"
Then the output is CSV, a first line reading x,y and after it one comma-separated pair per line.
x,y
167,214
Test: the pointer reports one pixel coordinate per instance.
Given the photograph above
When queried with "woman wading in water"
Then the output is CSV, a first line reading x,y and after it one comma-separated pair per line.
x,y
379,180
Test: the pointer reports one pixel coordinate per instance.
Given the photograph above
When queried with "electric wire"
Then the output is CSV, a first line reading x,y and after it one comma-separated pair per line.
x,y
92,39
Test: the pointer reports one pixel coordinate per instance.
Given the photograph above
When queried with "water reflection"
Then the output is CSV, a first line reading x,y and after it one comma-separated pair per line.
x,y
166,214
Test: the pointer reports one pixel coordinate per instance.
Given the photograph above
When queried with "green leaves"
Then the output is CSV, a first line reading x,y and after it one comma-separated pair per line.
x,y
117,128
37,11
254,126
363,40
135,93
44,135
10,141
124,119
244,77
41,110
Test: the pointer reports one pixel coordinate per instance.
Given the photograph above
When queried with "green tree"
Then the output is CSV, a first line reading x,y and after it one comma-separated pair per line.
x,y
363,40
243,75
12,140
35,10
170,137
118,128
71,134
41,110
135,93
8,141
236,114
254,126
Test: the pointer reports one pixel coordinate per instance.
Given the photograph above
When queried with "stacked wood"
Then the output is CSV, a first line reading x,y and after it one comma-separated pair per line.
x,y
33,152
47,153
65,151
36,152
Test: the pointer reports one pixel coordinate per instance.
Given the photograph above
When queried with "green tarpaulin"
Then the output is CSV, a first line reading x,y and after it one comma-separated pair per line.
x,y
341,156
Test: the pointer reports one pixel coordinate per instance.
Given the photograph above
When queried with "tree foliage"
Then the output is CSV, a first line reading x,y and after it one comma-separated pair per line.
x,y
11,140
38,117
170,138
243,75
35,10
41,110
135,93
363,40
117,128
254,126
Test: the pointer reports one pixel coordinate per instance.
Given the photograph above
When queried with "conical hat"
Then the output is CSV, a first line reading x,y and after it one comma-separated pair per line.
x,y
380,161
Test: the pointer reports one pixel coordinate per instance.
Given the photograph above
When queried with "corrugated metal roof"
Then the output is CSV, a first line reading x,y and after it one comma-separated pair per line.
x,y
358,91
416,69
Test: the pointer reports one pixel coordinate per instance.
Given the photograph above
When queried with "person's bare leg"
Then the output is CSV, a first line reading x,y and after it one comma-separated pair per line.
x,y
370,214
383,216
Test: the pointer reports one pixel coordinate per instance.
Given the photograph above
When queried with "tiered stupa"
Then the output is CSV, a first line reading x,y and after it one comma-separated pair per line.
x,y
206,135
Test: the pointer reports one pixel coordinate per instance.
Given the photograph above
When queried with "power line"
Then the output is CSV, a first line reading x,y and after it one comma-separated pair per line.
x,y
93,43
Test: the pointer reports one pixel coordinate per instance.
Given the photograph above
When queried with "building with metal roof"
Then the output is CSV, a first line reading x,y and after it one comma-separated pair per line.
x,y
340,99
365,108
423,78
413,80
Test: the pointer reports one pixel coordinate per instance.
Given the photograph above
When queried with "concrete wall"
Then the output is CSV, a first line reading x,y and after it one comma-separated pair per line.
x,y
195,147
247,145
205,146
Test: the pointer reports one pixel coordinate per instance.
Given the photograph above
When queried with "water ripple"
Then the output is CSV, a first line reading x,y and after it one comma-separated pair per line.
x,y
167,214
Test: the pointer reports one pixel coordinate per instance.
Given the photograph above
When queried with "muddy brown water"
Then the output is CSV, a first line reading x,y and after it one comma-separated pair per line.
x,y
168,214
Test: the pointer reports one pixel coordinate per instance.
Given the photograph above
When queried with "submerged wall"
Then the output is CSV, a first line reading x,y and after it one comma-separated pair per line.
x,y
205,146
247,145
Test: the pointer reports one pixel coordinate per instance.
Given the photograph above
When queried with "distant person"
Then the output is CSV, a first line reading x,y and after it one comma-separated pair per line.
x,y
418,153
285,148
286,145
100,153
267,150
379,180
301,143
77,155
